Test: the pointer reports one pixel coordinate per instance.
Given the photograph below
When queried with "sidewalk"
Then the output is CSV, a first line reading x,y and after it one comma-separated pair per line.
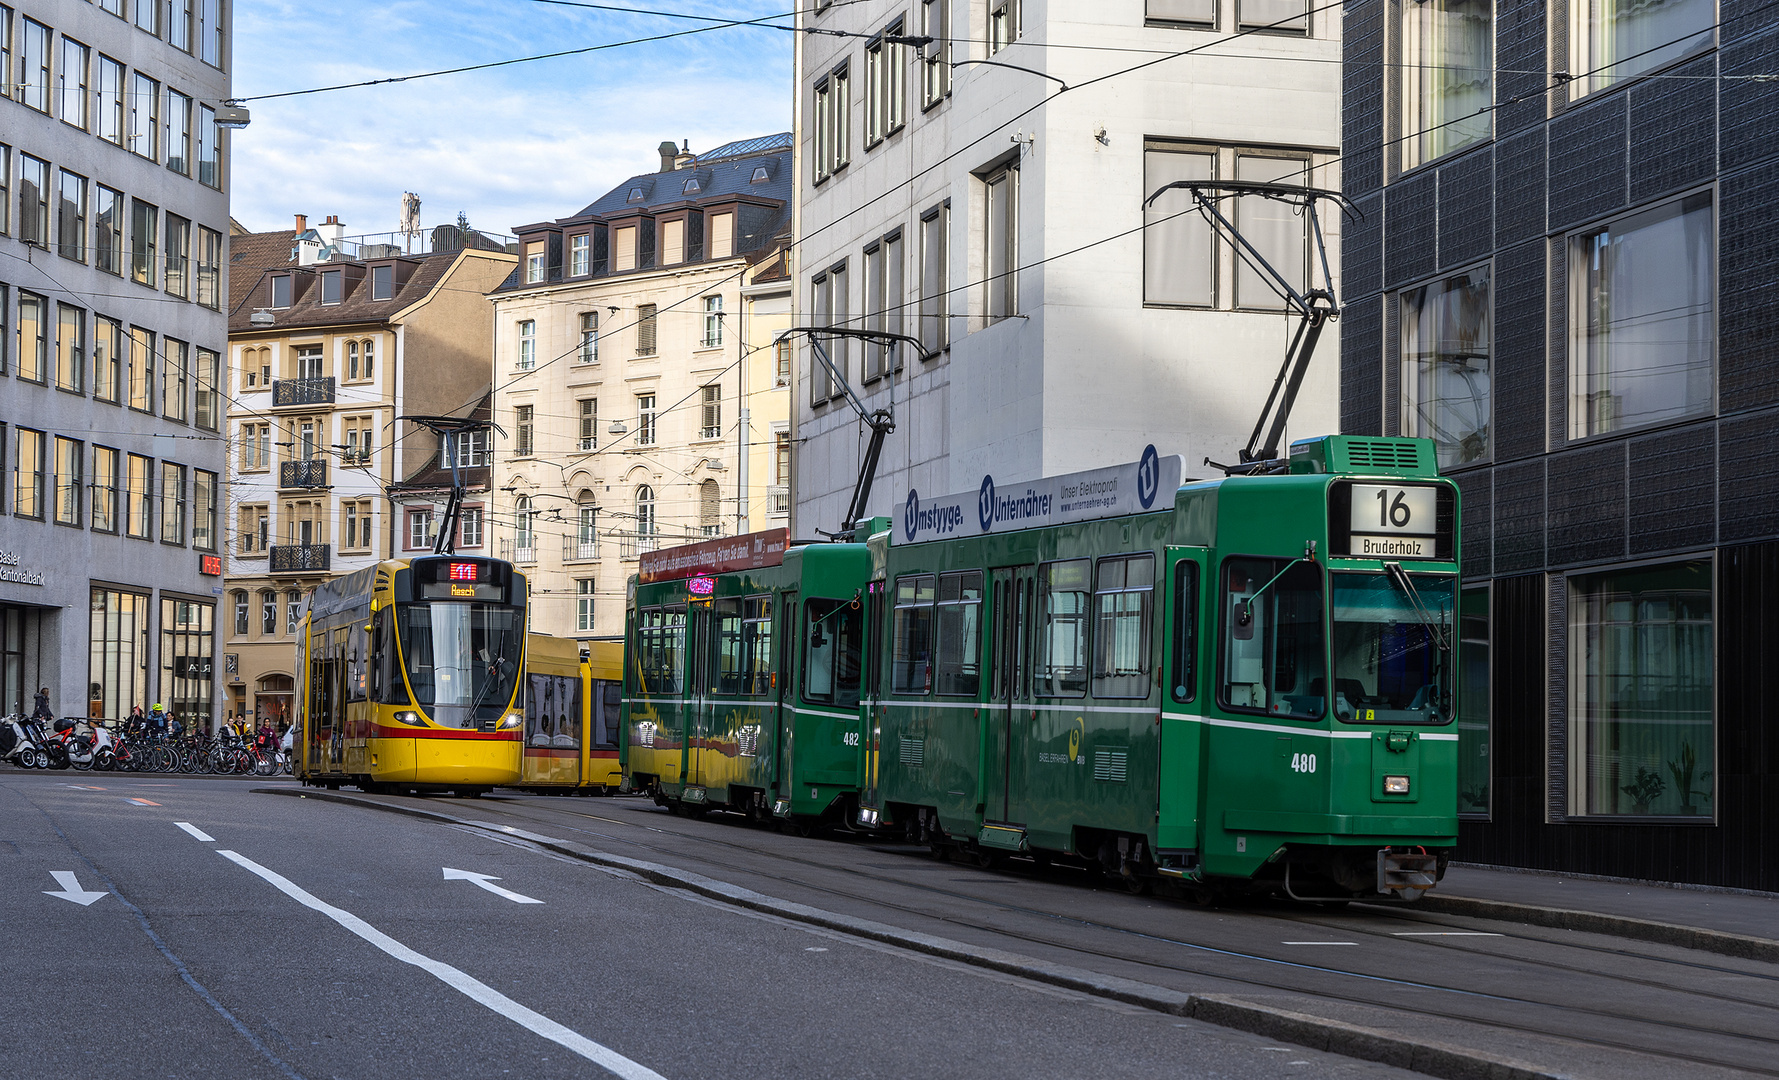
x,y
1640,910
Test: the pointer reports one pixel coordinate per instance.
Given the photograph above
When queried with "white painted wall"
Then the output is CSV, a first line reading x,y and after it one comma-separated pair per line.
x,y
1091,375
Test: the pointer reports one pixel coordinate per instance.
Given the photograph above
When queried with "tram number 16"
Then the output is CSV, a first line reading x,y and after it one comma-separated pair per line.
x,y
1303,763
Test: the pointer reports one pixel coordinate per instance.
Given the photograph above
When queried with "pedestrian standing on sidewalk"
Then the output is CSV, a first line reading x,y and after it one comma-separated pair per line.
x,y
41,710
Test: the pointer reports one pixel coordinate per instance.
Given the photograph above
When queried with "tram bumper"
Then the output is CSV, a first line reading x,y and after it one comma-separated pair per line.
x,y
1406,874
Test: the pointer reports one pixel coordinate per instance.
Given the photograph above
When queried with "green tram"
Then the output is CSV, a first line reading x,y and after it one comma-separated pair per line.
x,y
1253,686
1255,683
714,716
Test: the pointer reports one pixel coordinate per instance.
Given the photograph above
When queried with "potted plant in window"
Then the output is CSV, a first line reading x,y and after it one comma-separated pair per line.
x,y
1648,787
1682,770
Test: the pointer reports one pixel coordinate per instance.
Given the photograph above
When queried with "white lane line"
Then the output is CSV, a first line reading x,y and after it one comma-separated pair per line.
x,y
196,832
1443,933
1318,943
475,990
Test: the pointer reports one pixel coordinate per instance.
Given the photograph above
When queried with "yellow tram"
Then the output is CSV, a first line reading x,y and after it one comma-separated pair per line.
x,y
571,716
409,677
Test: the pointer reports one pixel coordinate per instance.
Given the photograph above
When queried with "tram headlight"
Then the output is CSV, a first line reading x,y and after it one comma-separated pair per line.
x,y
510,721
1395,785
412,719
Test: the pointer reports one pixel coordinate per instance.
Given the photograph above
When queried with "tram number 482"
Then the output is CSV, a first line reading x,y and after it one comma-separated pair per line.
x,y
1303,763
851,738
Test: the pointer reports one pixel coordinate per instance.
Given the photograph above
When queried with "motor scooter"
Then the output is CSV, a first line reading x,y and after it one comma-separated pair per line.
x,y
21,742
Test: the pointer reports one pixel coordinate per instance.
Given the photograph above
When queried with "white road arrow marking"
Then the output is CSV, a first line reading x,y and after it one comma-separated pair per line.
x,y
486,881
71,889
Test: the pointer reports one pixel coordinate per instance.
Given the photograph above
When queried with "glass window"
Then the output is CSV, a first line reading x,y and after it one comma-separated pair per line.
x,y
33,219
1641,319
71,83
1473,701
726,663
1185,630
34,64
209,267
1277,231
420,533
527,344
1641,716
71,217
145,120
280,290
187,659
756,646
1000,192
144,246
240,600
1124,603
577,255
172,503
645,517
138,507
209,148
117,668
713,322
33,338
382,282
524,428
645,329
110,103
934,271
1614,40
1281,15
104,489
469,526
332,286
211,31
1004,19
1060,668
28,457
178,256
141,369
70,348
583,606
911,664
1392,648
268,613
178,132
935,82
660,650
834,647
958,619
645,419
1184,12
1446,340
462,658
1179,260
108,230
1272,638
108,354
203,524
175,378
1447,64
589,336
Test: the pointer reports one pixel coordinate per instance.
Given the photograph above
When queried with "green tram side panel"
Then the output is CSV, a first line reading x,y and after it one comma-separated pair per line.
x,y
712,746
1242,799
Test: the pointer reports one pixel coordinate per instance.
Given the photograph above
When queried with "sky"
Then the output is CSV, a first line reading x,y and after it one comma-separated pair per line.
x,y
505,146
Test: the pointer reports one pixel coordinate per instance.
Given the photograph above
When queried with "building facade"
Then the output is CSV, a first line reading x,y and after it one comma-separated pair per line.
x,y
1559,280
113,266
643,397
984,191
331,341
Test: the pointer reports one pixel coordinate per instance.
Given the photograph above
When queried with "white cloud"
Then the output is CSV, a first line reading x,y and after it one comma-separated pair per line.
x,y
505,146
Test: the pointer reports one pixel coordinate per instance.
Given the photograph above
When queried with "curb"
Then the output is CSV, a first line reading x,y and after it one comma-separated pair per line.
x,y
1723,943
1317,1033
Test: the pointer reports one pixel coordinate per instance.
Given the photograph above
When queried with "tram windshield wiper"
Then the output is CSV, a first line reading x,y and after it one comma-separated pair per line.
x,y
1437,627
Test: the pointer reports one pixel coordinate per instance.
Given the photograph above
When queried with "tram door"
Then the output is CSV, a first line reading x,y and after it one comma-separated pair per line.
x,y
694,712
783,677
1007,717
1187,633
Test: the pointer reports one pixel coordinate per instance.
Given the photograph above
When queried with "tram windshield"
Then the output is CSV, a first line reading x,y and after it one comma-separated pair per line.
x,y
462,658
1392,660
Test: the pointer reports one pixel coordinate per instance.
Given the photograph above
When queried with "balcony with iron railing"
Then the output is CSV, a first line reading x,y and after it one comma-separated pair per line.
x,y
301,558
293,392
575,549
631,545
512,552
302,474
778,500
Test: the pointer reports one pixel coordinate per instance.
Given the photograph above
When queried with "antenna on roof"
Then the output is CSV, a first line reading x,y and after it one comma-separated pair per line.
x,y
410,221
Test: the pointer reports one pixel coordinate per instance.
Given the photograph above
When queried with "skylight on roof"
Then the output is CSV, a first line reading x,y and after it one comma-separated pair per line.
x,y
761,175
636,195
692,186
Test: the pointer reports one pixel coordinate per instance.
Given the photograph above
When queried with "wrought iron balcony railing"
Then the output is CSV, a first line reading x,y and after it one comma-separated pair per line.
x,y
303,474
318,391
301,558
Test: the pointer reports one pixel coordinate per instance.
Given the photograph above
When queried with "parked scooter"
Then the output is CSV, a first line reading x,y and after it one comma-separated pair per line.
x,y
21,742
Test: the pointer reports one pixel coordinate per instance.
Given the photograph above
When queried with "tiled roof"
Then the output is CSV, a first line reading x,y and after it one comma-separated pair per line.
x,y
250,253
717,176
247,288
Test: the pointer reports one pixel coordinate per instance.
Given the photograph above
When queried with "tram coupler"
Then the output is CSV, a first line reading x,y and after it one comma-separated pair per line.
x,y
1407,874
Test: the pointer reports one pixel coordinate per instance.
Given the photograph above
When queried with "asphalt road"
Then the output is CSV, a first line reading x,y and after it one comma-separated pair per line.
x,y
242,935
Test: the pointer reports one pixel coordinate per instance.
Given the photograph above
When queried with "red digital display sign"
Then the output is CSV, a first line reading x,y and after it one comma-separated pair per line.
x,y
210,565
466,571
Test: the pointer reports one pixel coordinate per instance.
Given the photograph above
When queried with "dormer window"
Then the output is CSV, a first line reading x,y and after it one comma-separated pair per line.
x,y
332,286
692,186
635,195
281,290
382,282
761,175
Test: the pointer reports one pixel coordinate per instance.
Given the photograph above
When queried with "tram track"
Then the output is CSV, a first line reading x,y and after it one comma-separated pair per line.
x,y
1767,1046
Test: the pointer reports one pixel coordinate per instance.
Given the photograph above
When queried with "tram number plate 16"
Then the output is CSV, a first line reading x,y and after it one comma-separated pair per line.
x,y
1393,522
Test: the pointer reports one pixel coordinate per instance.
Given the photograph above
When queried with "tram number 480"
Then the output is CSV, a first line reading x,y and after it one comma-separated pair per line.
x,y
1303,763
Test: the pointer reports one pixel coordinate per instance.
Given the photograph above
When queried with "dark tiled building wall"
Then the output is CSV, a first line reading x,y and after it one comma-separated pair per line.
x,y
1544,505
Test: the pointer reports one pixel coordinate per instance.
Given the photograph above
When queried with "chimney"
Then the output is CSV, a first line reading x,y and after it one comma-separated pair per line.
x,y
332,231
668,152
685,156
302,223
